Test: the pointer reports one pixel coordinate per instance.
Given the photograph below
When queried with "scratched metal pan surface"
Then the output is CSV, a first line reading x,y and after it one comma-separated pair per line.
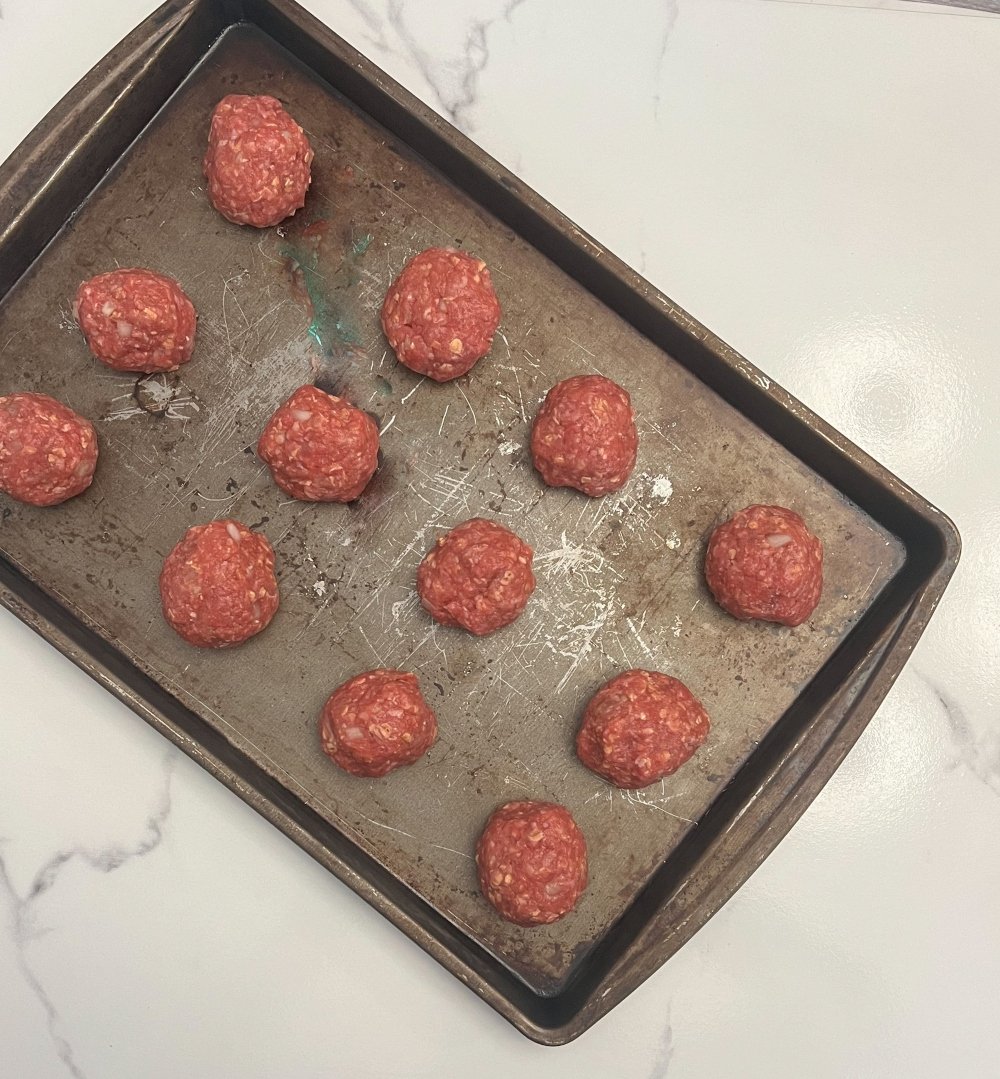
x,y
619,581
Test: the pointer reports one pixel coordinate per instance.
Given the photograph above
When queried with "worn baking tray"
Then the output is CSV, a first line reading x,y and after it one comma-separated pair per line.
x,y
112,177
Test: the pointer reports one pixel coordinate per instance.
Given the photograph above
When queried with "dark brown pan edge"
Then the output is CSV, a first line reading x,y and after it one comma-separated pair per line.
x,y
41,186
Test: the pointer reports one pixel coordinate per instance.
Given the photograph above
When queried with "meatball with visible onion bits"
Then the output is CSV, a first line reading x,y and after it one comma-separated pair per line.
x,y
441,313
764,563
640,727
258,161
477,576
218,586
375,722
532,862
584,436
136,320
47,452
319,448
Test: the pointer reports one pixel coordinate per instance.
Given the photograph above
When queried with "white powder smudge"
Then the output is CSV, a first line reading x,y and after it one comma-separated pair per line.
x,y
581,561
507,448
173,406
636,632
346,541
319,587
158,392
583,611
673,541
662,489
402,607
637,798
676,626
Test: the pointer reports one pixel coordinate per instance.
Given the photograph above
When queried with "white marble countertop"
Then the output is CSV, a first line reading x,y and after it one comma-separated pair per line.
x,y
815,181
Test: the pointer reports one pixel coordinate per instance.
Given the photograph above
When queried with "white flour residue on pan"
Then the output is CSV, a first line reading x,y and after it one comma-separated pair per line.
x,y
579,587
67,321
371,289
399,614
661,488
641,509
445,492
570,558
654,797
171,402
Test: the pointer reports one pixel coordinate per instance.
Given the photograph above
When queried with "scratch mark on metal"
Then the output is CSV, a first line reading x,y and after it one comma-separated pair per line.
x,y
374,650
389,827
520,396
469,403
642,644
451,850
413,391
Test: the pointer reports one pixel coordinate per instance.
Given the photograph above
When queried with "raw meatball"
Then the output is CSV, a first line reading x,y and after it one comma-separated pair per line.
x,y
440,314
375,722
532,862
765,563
257,163
319,448
640,727
47,452
584,435
477,576
218,586
136,320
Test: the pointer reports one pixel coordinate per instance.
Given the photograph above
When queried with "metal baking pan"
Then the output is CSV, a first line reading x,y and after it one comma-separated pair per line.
x,y
112,177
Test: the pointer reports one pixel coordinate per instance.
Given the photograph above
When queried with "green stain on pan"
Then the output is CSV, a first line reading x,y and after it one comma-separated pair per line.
x,y
330,326
326,292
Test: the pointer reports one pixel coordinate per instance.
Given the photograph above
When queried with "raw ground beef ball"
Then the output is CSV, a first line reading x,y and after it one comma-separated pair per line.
x,y
376,722
532,862
218,586
584,435
440,314
136,320
765,563
47,452
477,576
319,448
640,727
257,163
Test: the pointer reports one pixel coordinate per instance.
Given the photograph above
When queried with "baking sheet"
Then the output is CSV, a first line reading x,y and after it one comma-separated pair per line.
x,y
618,578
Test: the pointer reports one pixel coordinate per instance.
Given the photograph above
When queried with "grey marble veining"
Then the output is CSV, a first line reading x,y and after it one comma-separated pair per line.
x,y
23,919
20,931
978,750
452,76
670,13
661,1064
